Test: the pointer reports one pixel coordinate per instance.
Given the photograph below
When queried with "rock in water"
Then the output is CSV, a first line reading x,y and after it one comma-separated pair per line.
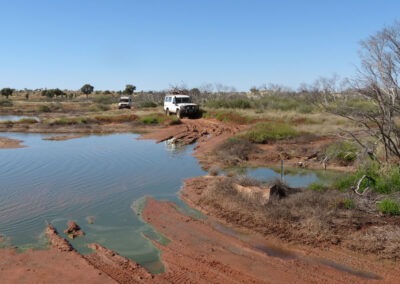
x,y
73,230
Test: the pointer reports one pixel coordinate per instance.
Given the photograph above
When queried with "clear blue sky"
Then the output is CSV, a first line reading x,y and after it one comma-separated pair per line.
x,y
157,43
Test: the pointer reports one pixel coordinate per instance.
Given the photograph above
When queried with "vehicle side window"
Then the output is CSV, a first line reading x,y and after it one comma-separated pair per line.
x,y
173,100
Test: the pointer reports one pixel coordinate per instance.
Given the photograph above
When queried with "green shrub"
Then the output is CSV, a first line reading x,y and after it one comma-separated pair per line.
x,y
317,187
281,103
100,107
347,203
389,207
70,121
263,132
344,152
232,117
115,118
104,100
28,120
388,181
44,108
384,179
240,103
153,119
147,104
228,116
305,108
362,105
345,182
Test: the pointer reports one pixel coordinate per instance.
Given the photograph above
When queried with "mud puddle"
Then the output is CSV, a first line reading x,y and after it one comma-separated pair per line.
x,y
285,254
344,268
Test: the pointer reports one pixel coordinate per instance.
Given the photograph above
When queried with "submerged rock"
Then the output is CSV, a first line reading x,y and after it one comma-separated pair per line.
x,y
73,230
90,219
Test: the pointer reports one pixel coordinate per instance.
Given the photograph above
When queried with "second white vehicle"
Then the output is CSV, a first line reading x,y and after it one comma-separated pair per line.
x,y
125,102
181,105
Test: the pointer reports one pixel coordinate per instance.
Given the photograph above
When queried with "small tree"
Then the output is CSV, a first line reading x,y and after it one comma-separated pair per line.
x,y
47,93
87,89
129,89
50,93
7,92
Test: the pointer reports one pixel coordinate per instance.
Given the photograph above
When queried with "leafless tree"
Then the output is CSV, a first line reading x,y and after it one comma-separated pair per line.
x,y
378,83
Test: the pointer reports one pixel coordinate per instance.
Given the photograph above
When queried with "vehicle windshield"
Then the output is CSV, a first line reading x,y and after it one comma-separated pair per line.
x,y
124,100
182,100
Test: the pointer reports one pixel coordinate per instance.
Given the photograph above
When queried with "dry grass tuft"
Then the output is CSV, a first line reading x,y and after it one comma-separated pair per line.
x,y
301,216
115,118
382,241
234,151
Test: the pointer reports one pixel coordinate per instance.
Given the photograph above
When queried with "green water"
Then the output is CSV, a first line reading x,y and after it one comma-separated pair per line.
x,y
104,177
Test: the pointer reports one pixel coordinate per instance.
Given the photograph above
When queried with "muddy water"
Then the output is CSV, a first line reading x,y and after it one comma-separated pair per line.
x,y
94,178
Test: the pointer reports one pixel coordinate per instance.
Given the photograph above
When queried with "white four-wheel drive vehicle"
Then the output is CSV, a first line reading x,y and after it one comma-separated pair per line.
x,y
181,105
125,102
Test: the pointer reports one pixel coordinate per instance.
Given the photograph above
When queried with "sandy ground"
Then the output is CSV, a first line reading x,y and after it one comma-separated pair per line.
x,y
8,143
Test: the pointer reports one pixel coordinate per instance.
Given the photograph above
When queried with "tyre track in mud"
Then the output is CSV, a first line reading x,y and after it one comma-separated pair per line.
x,y
199,253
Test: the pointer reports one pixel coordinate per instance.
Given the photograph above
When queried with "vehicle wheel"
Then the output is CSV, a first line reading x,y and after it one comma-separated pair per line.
x,y
178,114
167,112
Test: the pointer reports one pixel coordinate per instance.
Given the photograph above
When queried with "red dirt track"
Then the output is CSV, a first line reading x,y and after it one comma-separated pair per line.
x,y
200,253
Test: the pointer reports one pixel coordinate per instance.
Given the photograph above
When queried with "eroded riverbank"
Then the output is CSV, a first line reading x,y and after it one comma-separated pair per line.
x,y
196,245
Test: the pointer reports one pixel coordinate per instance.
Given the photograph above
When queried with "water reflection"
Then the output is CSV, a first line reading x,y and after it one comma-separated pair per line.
x,y
97,176
17,117
100,176
298,178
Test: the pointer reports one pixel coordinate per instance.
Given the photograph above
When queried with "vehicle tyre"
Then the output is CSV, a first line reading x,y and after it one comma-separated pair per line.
x,y
167,112
178,114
